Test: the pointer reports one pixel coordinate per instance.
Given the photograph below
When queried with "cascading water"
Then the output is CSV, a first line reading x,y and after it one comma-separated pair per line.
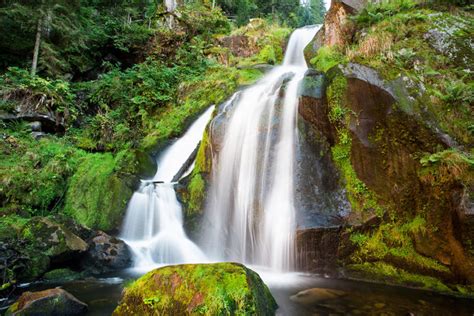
x,y
153,226
250,215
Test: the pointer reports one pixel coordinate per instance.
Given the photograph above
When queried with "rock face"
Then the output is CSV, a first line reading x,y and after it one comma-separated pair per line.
x,y
240,45
211,289
49,302
386,135
106,254
320,199
337,29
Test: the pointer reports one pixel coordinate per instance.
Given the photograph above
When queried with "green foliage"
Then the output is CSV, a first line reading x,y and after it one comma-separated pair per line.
x,y
327,58
447,166
34,173
23,93
376,12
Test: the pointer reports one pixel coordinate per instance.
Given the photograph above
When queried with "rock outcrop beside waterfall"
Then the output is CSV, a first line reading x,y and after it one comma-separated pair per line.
x,y
211,289
405,167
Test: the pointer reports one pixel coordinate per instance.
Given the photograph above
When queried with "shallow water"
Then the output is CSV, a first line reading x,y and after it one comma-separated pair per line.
x,y
102,296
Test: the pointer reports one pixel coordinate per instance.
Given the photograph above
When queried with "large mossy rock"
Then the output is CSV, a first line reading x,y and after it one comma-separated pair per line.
x,y
49,302
209,289
100,190
46,243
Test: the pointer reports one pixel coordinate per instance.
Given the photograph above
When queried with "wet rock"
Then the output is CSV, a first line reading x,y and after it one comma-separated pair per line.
x,y
105,254
49,302
317,295
317,249
320,199
212,289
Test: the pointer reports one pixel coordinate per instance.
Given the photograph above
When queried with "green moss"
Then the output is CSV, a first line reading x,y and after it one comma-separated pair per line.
x,y
62,275
11,226
361,198
98,192
393,242
197,190
207,289
382,272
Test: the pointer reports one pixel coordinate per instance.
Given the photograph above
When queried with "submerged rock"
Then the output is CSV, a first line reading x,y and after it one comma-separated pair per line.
x,y
62,275
105,254
316,295
49,302
211,289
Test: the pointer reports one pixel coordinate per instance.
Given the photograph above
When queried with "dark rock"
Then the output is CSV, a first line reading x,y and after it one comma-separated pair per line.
x,y
49,124
105,254
49,302
212,289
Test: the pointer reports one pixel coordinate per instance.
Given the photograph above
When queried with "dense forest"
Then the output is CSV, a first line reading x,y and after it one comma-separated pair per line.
x,y
95,93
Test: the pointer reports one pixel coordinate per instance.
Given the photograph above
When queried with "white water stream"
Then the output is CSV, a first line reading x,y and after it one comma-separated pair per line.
x,y
153,226
250,216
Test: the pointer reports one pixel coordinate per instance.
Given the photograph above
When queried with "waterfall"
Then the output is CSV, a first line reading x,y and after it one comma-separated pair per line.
x,y
250,214
153,226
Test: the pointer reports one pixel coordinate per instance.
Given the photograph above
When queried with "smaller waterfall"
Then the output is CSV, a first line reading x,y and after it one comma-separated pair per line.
x,y
153,226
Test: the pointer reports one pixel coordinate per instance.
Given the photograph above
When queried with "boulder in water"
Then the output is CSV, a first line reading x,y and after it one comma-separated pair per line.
x,y
316,295
211,289
105,254
49,302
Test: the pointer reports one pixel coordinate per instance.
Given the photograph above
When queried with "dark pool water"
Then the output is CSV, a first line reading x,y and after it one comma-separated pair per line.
x,y
357,298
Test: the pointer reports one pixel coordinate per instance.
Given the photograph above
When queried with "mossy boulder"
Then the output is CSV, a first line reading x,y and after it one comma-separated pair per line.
x,y
62,275
49,302
208,289
47,242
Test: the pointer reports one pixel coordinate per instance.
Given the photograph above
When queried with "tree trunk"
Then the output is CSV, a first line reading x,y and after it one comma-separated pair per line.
x,y
34,65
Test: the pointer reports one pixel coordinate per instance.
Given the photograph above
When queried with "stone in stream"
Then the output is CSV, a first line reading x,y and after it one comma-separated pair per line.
x,y
105,254
211,289
316,295
48,302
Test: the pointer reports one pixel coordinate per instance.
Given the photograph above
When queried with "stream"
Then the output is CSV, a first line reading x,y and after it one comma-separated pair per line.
x,y
103,294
